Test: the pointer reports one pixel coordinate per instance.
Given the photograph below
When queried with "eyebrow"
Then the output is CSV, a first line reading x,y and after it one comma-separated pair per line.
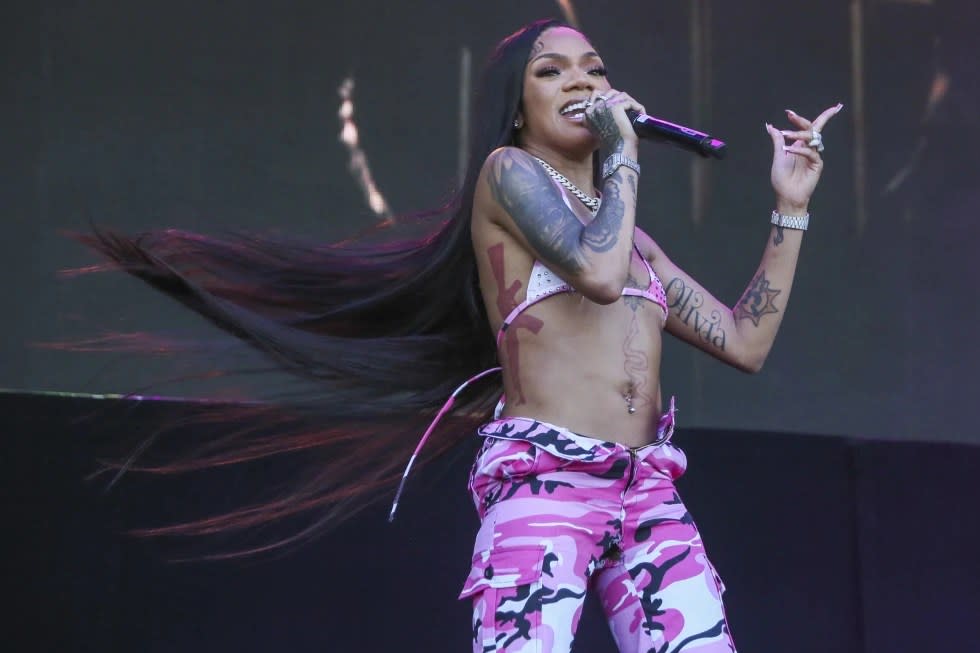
x,y
554,55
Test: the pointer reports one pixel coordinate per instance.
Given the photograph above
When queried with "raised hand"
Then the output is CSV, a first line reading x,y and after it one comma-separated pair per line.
x,y
606,116
796,167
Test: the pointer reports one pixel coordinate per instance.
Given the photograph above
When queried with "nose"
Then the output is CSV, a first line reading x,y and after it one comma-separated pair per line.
x,y
579,79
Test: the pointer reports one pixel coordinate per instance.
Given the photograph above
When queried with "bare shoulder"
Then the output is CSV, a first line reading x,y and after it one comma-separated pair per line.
x,y
508,194
507,155
491,224
505,172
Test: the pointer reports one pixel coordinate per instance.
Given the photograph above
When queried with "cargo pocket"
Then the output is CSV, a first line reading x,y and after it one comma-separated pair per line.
x,y
504,567
503,582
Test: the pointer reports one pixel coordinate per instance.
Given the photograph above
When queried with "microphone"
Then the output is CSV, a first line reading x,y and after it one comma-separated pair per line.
x,y
684,137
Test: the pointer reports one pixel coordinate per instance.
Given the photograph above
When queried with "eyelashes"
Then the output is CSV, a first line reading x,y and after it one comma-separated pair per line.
x,y
549,71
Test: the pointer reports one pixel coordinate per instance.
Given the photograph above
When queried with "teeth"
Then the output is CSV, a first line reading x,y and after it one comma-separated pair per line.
x,y
573,108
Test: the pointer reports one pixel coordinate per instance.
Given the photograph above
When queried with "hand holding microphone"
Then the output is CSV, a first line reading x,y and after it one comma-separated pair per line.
x,y
648,127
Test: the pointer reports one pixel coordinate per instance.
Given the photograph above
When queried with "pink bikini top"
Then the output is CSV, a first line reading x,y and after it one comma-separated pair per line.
x,y
544,283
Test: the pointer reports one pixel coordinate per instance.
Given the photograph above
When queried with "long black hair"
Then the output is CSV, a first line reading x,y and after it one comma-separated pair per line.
x,y
383,333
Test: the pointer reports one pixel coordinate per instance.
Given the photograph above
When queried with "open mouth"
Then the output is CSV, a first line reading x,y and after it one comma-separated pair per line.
x,y
574,110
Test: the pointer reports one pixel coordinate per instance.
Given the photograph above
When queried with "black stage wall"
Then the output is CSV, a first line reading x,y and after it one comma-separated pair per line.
x,y
824,543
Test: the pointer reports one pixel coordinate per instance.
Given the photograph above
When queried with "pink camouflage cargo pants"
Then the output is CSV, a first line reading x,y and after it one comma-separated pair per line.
x,y
561,513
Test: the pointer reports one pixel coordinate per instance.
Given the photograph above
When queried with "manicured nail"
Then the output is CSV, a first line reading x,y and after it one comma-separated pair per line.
x,y
785,132
840,105
790,112
768,126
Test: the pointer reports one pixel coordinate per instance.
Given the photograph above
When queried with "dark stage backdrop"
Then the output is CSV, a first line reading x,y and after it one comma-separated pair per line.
x,y
212,115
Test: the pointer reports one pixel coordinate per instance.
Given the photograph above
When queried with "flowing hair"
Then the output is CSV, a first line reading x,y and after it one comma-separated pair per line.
x,y
382,332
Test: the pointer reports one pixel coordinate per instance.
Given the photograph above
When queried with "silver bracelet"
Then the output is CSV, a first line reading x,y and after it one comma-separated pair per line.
x,y
791,221
613,161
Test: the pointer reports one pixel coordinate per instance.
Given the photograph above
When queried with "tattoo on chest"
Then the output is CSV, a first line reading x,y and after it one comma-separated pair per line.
x,y
633,301
506,302
757,300
685,302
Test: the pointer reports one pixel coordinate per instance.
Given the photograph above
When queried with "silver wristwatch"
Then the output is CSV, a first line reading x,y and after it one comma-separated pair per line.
x,y
800,222
613,161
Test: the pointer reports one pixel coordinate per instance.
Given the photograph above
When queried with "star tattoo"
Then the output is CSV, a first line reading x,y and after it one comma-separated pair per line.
x,y
757,300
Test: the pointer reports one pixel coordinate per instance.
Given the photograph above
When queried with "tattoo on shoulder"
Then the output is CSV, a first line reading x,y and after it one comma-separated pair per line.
x,y
757,300
525,191
685,302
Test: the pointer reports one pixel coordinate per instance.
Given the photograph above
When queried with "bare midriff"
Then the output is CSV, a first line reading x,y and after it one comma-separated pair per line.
x,y
586,365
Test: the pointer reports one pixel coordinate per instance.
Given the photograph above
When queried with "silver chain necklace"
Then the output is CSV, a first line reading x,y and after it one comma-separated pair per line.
x,y
591,202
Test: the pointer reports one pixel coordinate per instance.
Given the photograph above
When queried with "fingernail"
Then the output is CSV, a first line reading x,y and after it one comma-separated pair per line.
x,y
768,126
790,112
840,105
786,148
784,132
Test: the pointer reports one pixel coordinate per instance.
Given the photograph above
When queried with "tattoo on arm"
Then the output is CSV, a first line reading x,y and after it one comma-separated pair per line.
x,y
523,189
778,237
757,300
685,301
602,234
603,125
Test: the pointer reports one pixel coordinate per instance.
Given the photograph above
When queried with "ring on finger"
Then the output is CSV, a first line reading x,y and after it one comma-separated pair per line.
x,y
816,140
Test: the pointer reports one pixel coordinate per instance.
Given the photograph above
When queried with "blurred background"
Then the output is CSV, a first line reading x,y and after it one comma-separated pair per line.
x,y
216,116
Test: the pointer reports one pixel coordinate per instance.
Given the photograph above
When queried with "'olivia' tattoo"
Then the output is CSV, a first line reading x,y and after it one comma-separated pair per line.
x,y
684,302
506,302
757,300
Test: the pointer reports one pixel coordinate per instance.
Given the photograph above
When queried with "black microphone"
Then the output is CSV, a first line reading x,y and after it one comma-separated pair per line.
x,y
684,137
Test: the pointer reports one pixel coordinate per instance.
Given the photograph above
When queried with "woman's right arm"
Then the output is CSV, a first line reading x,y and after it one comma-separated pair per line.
x,y
594,257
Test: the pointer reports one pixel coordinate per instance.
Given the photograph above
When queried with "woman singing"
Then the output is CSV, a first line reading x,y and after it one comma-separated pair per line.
x,y
539,265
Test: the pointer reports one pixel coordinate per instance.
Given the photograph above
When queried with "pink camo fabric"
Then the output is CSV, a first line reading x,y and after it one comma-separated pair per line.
x,y
564,513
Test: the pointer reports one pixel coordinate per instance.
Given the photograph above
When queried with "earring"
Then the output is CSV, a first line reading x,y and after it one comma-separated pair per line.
x,y
517,123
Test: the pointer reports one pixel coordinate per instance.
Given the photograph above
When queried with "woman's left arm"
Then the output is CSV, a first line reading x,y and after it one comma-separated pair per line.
x,y
743,335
